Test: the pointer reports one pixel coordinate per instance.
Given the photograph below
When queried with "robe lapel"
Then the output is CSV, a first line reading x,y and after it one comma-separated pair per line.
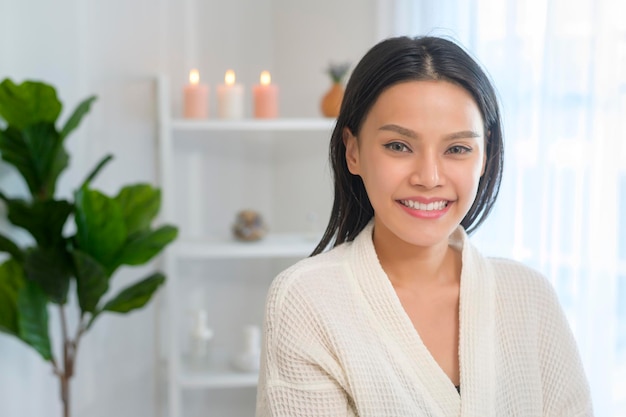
x,y
477,334
427,377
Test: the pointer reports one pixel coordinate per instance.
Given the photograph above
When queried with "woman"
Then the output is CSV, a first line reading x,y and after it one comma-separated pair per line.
x,y
402,316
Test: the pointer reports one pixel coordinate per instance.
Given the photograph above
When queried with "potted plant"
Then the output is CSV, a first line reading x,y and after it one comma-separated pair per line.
x,y
77,244
331,100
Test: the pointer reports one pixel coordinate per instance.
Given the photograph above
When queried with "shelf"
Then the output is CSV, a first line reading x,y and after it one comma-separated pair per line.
x,y
257,125
223,379
217,374
179,137
273,245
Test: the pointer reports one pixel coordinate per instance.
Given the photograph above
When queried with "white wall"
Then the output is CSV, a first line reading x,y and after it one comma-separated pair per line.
x,y
308,36
114,49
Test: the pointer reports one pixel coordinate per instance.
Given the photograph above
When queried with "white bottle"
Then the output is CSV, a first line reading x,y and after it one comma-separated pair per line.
x,y
199,344
249,359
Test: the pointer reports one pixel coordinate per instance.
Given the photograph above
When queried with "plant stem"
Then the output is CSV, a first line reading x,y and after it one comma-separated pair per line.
x,y
65,395
68,364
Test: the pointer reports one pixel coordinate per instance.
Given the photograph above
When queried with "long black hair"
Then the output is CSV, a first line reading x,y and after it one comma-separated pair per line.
x,y
390,62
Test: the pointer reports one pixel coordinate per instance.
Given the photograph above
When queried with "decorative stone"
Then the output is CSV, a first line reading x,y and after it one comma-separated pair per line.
x,y
249,226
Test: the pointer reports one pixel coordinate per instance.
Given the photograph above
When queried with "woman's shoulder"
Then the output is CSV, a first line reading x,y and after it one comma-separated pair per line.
x,y
511,268
517,279
312,275
316,264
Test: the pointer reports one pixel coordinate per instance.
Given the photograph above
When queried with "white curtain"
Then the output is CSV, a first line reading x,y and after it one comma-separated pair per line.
x,y
560,70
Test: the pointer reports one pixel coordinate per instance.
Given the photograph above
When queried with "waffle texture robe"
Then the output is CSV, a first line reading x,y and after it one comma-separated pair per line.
x,y
337,342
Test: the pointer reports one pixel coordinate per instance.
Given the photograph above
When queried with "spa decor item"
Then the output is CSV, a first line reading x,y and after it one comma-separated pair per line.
x,y
248,359
200,341
230,98
331,101
195,97
265,97
67,270
249,226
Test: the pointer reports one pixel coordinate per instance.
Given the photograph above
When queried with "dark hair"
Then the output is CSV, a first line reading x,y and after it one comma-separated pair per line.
x,y
390,62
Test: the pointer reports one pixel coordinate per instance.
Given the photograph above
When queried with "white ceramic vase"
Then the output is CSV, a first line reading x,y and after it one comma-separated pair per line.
x,y
249,358
200,340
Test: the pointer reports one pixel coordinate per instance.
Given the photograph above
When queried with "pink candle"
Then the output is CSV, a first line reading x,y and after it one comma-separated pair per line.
x,y
195,98
265,98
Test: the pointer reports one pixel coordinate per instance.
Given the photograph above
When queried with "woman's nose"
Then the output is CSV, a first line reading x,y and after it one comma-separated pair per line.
x,y
426,171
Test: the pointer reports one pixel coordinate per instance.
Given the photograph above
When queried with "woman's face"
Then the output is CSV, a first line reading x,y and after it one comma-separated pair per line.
x,y
420,154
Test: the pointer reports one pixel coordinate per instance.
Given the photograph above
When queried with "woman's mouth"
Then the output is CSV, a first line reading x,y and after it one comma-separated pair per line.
x,y
432,206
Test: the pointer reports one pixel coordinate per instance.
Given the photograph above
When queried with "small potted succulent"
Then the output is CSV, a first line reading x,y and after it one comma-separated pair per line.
x,y
331,101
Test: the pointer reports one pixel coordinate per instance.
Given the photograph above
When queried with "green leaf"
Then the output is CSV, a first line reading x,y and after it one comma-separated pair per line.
x,y
49,157
11,281
100,229
92,281
14,150
50,268
37,153
80,111
8,246
144,246
32,305
44,220
96,170
135,296
140,204
28,103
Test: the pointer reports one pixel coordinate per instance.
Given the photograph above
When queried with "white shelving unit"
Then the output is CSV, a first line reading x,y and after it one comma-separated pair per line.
x,y
253,125
215,248
272,245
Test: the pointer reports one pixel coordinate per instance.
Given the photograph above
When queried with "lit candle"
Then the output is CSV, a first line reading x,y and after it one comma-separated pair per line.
x,y
195,98
265,97
230,98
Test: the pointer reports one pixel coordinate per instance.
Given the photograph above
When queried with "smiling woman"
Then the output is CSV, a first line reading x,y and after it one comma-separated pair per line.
x,y
422,144
560,68
402,315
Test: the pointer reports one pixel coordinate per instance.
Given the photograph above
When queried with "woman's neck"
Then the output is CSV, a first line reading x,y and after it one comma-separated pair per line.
x,y
408,265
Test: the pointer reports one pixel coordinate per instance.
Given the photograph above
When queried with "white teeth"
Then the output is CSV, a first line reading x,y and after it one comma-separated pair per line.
x,y
437,205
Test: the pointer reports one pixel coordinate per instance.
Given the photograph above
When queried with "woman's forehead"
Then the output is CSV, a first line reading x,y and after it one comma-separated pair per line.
x,y
414,104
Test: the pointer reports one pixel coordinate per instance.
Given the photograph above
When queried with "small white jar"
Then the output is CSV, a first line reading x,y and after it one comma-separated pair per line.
x,y
249,358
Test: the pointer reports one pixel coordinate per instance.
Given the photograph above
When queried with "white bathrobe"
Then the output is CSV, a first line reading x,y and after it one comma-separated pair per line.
x,y
337,342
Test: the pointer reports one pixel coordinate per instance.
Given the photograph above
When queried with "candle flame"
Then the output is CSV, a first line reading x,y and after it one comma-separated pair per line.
x,y
194,76
266,78
229,78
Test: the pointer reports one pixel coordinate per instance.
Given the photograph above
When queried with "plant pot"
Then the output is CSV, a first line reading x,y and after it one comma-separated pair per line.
x,y
331,101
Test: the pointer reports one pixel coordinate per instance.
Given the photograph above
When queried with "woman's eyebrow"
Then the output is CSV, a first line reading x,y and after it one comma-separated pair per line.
x,y
413,135
399,129
463,135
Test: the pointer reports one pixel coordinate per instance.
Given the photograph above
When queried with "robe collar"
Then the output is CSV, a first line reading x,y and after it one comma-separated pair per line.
x,y
477,328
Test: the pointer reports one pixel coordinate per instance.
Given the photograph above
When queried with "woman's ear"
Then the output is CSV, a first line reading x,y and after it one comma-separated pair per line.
x,y
352,151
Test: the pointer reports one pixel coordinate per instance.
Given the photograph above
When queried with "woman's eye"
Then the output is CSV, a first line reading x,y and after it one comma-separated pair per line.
x,y
459,150
397,147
